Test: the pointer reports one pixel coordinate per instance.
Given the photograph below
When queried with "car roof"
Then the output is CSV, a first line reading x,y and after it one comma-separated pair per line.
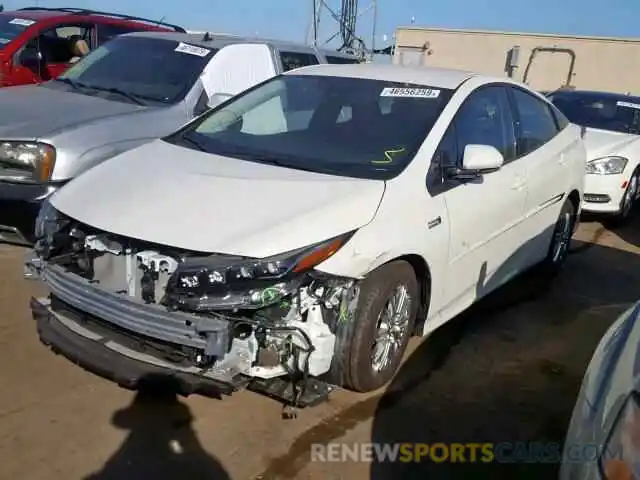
x,y
219,40
428,76
36,14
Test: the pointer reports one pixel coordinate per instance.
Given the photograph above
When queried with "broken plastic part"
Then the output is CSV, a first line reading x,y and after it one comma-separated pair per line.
x,y
157,262
233,299
348,303
217,341
238,310
102,243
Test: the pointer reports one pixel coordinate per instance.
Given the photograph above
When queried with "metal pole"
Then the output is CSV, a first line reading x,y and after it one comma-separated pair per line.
x,y
373,33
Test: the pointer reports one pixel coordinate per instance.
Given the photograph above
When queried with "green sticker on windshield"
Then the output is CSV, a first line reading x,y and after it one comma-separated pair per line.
x,y
388,155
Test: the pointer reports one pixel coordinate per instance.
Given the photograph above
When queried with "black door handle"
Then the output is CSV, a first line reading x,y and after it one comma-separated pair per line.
x,y
435,222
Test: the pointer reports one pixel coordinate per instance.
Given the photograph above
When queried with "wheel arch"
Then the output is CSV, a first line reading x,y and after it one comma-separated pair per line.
x,y
423,276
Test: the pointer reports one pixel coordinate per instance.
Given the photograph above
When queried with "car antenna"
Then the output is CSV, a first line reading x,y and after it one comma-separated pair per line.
x,y
207,37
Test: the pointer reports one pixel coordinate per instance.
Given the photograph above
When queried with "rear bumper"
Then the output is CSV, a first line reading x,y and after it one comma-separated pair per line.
x,y
104,358
19,207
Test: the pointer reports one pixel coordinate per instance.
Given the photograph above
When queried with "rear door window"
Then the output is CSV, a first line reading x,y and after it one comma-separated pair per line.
x,y
293,60
106,32
536,123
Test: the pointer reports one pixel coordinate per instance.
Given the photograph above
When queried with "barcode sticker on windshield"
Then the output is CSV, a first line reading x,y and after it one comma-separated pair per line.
x,y
629,105
22,21
410,92
192,50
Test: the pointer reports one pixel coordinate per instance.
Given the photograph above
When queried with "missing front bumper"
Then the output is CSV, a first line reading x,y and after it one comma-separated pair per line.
x,y
107,359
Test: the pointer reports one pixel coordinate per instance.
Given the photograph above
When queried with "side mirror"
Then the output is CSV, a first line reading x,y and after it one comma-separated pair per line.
x,y
478,160
30,57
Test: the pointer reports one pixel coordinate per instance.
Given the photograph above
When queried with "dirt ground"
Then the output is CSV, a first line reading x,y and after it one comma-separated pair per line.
x,y
508,370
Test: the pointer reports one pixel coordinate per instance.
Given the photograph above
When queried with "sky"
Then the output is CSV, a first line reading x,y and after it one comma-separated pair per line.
x,y
290,19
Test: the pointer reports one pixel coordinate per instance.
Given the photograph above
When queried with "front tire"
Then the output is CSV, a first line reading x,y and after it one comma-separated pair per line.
x,y
628,199
370,345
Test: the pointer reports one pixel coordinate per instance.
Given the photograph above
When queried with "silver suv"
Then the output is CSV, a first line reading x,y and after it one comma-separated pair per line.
x,y
131,90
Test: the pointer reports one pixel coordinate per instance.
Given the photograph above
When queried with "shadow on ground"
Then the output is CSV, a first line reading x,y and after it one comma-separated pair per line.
x,y
509,369
629,231
161,444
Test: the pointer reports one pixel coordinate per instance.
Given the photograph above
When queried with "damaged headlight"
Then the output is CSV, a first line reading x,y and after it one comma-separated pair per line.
x,y
48,223
223,282
47,219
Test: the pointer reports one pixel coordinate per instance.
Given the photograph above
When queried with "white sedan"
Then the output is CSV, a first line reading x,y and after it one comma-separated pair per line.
x,y
612,137
603,440
300,233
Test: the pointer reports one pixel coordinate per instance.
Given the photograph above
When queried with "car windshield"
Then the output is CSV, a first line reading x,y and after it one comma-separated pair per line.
x,y
153,69
606,111
11,27
336,125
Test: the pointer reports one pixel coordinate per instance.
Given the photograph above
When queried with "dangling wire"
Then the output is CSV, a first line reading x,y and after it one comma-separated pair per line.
x,y
348,20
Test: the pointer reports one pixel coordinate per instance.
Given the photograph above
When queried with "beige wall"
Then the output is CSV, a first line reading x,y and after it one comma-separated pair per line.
x,y
601,63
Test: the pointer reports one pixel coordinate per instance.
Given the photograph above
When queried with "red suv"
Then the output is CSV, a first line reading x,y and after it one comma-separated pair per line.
x,y
38,44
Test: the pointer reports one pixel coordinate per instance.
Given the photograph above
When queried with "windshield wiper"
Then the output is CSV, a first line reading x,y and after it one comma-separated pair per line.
x,y
68,81
117,91
271,160
193,143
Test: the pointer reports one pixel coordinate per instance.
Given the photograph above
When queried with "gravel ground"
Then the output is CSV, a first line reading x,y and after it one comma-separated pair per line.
x,y
508,370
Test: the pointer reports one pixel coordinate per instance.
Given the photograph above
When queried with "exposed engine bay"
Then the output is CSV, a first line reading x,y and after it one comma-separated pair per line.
x,y
250,322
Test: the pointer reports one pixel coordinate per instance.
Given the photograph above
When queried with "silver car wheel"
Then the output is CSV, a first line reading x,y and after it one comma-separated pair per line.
x,y
391,328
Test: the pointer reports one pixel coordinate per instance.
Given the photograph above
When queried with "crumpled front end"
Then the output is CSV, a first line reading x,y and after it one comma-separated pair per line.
x,y
269,324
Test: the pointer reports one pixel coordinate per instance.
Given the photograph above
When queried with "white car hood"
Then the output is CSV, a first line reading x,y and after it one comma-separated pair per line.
x,y
192,200
600,143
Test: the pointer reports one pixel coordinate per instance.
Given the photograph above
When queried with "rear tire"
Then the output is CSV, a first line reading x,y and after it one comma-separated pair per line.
x,y
370,345
560,241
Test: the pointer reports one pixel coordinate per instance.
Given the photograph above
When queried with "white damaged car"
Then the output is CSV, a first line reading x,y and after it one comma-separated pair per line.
x,y
293,238
612,136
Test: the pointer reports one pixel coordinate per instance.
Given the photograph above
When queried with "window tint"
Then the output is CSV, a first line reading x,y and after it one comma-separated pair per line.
x,y
291,60
11,27
325,124
150,68
605,111
107,32
485,119
536,125
58,44
341,60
